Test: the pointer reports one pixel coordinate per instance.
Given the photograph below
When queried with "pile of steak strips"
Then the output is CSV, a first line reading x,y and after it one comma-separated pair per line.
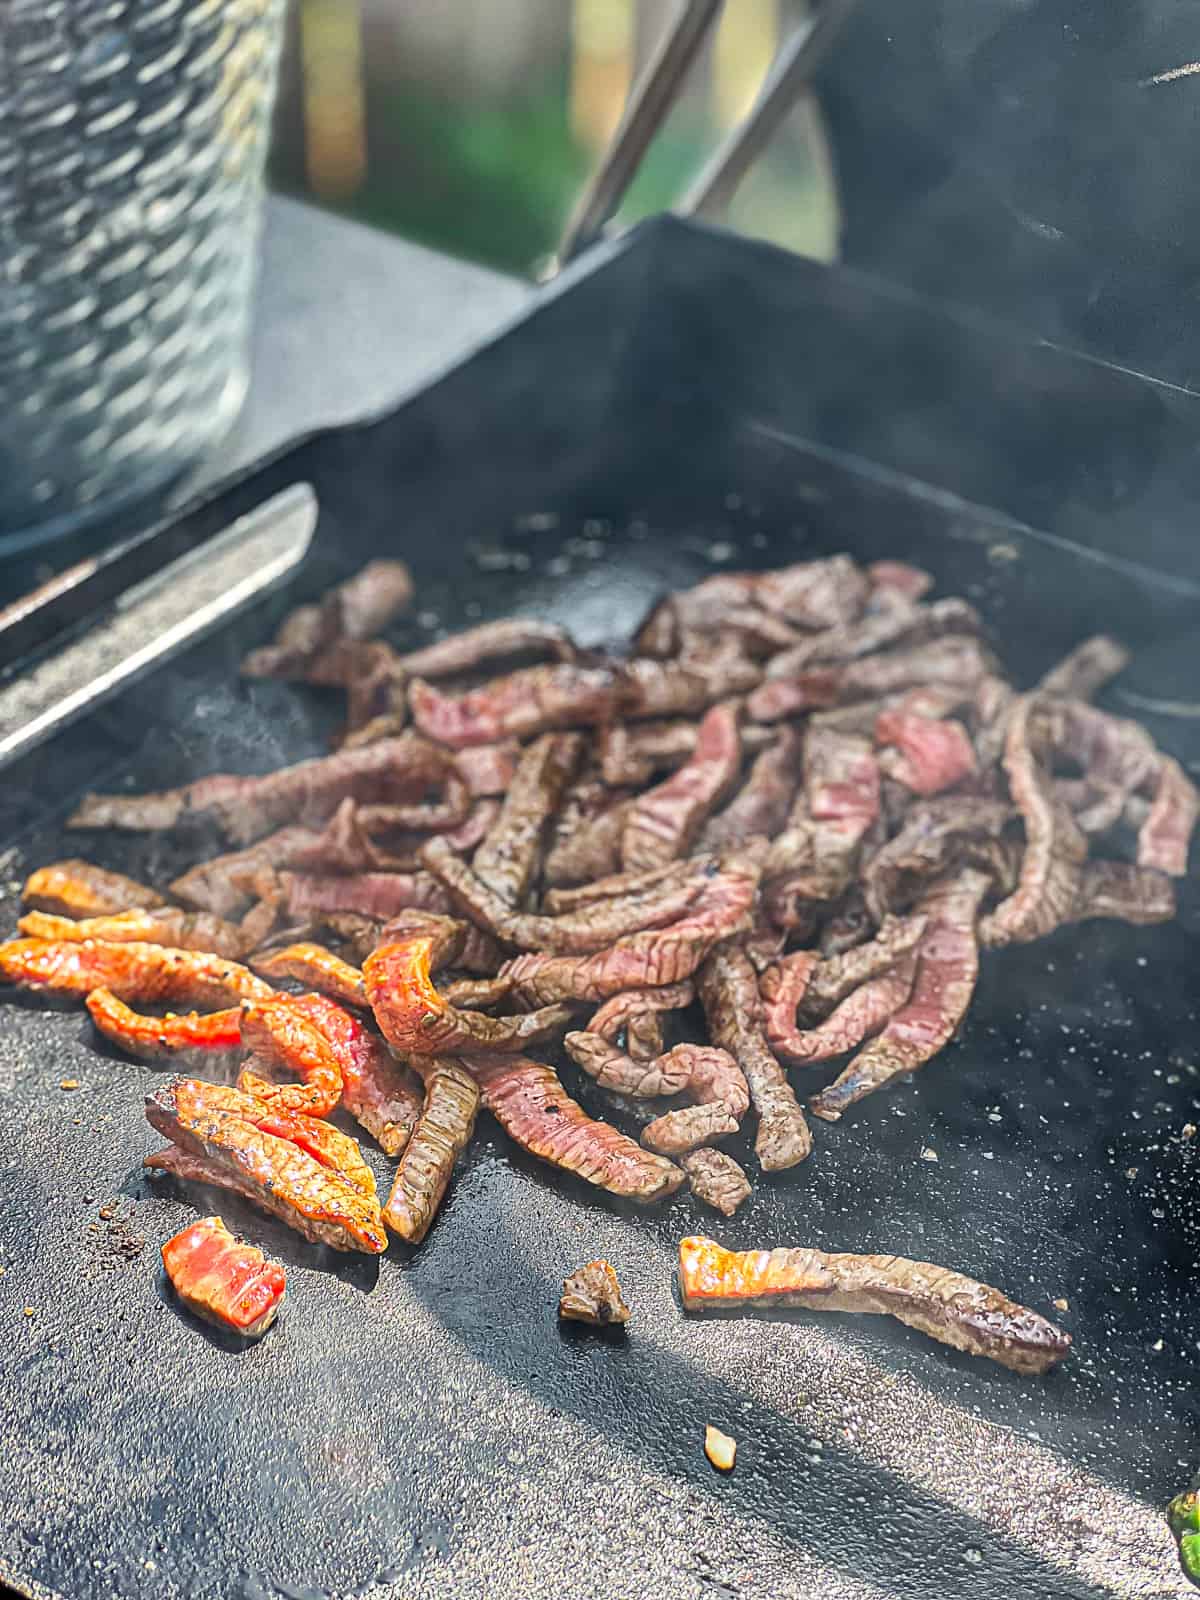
x,y
775,836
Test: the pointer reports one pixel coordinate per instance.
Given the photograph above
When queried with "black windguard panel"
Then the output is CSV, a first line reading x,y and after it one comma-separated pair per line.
x,y
421,1426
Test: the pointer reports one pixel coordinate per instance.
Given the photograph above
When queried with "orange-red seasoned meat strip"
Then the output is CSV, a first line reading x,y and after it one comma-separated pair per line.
x,y
222,1280
151,1038
278,1030
76,888
142,974
170,925
317,967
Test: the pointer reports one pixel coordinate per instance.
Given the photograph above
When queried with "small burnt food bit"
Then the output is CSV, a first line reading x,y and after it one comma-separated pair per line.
x,y
729,992
143,974
593,1295
184,930
76,888
946,1305
442,1133
716,1179
266,1169
531,1105
222,1280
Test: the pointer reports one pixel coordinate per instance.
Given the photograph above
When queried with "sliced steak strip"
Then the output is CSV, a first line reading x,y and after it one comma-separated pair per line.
x,y
930,754
318,968
947,1306
682,688
507,860
616,887
947,960
532,1107
892,620
535,700
649,959
141,974
663,823
957,662
490,641
1125,893
225,885
78,889
729,992
838,976
1054,846
380,1094
1085,671
357,609
442,1133
717,1180
378,895
862,1013
762,804
1166,834
816,855
933,837
184,930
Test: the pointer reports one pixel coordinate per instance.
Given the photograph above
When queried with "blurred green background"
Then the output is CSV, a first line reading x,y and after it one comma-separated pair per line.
x,y
471,125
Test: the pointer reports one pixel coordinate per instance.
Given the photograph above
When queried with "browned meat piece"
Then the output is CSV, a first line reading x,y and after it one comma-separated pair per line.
x,y
947,966
689,1128
271,1171
1124,892
378,895
381,1095
1054,846
934,837
317,967
762,804
892,620
907,580
1096,807
592,848
711,1077
861,1014
949,1307
664,822
535,700
592,927
508,858
1085,671
190,1034
650,959
729,993
184,930
1166,834
814,594
416,1019
623,1010
282,1034
838,976
532,1107
442,1133
616,887
488,769
356,610
142,974
815,857
247,808
683,688
849,925
930,754
593,1295
226,885
477,994
461,943
229,1284
632,752
958,662
490,641
716,1179
78,889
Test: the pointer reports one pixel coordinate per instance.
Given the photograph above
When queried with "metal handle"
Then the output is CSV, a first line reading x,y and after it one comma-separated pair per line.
x,y
654,94
158,618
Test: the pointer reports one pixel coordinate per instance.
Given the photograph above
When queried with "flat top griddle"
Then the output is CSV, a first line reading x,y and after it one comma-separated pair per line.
x,y
421,1425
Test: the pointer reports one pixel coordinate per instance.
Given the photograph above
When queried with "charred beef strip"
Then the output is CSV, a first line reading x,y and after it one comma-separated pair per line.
x,y
78,889
716,1179
893,620
729,993
222,1281
509,856
838,976
593,1295
623,1010
318,968
281,1033
1054,846
357,609
632,752
183,930
531,1105
711,1077
535,700
616,887
442,1133
489,642
1084,672
590,928
650,959
1124,892
1166,834
225,885
663,823
947,959
763,803
415,1019
949,1307
930,754
143,974
934,837
270,1171
247,808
